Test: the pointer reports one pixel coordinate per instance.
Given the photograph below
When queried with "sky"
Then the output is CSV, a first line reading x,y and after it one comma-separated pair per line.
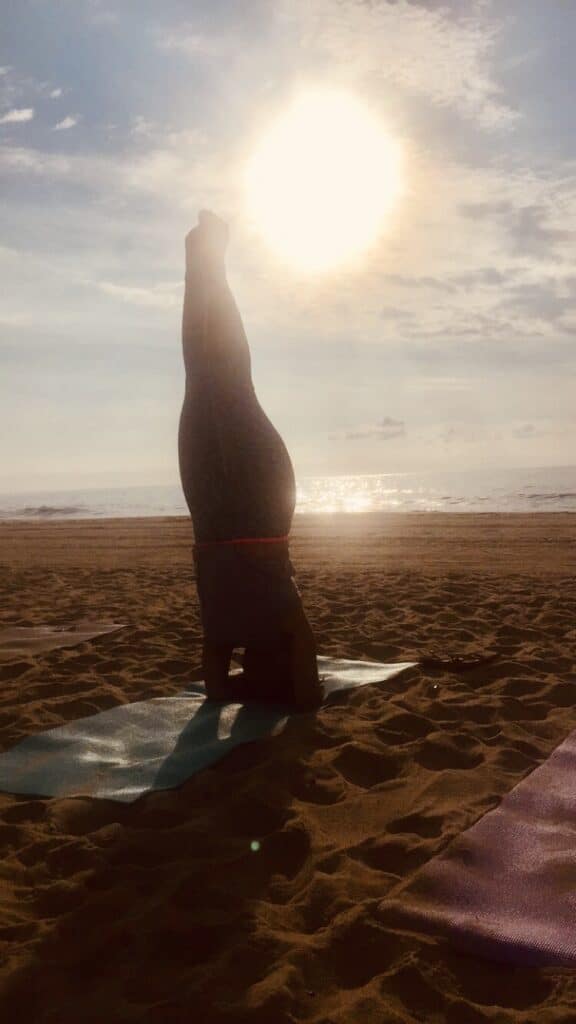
x,y
449,345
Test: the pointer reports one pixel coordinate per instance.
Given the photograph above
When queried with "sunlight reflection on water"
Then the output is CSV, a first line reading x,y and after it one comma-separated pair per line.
x,y
356,494
510,490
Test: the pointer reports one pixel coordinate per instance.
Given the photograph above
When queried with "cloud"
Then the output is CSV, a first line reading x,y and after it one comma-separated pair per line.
x,y
527,430
197,44
55,94
396,313
407,281
142,126
483,276
98,13
448,61
528,226
65,123
175,170
163,296
546,300
385,430
18,116
22,159
446,384
530,233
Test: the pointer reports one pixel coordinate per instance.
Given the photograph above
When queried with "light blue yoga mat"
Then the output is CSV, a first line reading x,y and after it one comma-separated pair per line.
x,y
22,640
154,744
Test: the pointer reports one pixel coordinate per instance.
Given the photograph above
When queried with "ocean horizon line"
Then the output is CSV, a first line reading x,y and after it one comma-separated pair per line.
x,y
540,489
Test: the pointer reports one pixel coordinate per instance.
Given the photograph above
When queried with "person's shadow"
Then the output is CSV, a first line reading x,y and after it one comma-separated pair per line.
x,y
214,728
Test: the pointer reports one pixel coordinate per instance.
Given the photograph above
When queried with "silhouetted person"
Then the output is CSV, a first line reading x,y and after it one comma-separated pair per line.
x,y
239,485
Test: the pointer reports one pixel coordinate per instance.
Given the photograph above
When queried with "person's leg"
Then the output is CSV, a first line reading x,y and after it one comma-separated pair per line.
x,y
215,347
214,350
237,474
217,364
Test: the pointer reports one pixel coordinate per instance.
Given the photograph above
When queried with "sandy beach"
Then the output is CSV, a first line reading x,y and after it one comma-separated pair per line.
x,y
159,911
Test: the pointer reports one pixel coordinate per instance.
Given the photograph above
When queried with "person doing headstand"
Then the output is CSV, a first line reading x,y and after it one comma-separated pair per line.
x,y
239,486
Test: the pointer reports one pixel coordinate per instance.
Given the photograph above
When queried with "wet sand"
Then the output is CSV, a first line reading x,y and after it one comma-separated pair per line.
x,y
160,911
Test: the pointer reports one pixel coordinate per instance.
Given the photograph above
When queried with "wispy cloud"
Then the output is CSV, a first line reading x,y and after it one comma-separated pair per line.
x,y
55,93
100,14
197,44
439,384
66,122
18,116
162,296
387,429
25,160
423,50
526,431
535,229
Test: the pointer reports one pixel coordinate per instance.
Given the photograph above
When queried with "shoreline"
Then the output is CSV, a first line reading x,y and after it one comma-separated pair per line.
x,y
531,543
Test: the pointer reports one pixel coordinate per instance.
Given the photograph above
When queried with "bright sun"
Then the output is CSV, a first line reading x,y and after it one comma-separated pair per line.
x,y
323,180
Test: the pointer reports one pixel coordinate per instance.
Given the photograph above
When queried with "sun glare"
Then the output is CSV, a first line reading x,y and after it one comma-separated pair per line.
x,y
323,180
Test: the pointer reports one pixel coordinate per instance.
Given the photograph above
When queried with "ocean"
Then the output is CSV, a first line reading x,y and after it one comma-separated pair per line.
x,y
494,490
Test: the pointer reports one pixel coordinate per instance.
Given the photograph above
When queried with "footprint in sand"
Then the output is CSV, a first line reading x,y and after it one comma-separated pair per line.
x,y
480,713
562,695
391,856
417,994
358,951
71,858
20,932
13,670
425,825
492,985
522,711
83,661
520,687
441,751
60,897
320,788
405,726
11,835
70,710
30,810
512,759
365,767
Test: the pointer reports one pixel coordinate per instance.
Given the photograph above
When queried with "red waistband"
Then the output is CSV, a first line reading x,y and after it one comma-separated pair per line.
x,y
242,540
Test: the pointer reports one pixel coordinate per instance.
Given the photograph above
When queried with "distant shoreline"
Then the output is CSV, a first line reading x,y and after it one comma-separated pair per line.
x,y
46,518
381,542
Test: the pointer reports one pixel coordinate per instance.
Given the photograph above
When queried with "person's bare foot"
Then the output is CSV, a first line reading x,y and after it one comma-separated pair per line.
x,y
206,244
215,232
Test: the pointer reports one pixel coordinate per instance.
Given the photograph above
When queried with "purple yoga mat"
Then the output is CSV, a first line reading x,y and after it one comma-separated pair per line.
x,y
506,888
